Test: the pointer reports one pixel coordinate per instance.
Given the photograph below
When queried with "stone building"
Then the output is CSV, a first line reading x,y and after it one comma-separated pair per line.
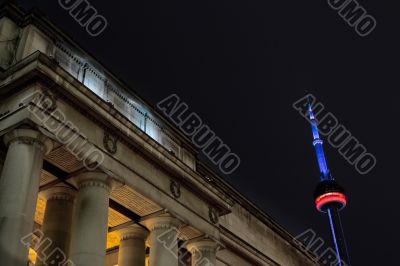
x,y
93,175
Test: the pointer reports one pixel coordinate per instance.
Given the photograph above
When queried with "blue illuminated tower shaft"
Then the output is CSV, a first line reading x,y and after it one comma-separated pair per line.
x,y
338,239
329,197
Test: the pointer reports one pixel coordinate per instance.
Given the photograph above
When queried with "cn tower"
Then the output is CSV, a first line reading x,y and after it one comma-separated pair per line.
x,y
329,196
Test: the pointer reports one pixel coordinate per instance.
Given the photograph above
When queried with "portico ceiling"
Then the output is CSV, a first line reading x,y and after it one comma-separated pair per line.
x,y
61,162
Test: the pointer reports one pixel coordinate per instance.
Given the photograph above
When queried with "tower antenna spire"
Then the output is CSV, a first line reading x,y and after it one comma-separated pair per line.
x,y
317,143
329,196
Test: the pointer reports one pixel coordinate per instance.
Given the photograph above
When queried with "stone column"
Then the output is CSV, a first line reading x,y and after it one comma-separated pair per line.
x,y
163,240
57,222
204,252
19,186
2,159
90,222
132,249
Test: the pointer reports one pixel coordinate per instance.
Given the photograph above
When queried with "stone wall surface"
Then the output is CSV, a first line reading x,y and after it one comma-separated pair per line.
x,y
250,229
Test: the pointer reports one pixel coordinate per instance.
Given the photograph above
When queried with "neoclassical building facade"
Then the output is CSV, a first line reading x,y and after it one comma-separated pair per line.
x,y
93,175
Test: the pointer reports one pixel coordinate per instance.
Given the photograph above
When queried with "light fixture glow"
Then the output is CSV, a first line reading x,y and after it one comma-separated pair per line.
x,y
330,197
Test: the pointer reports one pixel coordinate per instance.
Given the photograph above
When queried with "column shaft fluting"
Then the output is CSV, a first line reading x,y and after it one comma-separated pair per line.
x,y
19,186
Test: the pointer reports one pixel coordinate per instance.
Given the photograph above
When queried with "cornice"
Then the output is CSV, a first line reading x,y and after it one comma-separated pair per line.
x,y
36,18
42,67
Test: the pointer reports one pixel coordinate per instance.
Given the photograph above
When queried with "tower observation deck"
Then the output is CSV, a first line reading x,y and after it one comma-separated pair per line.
x,y
329,196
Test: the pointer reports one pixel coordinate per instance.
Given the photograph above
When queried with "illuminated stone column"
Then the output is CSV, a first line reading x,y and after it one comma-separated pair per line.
x,y
132,248
19,186
2,159
204,252
57,222
163,240
90,222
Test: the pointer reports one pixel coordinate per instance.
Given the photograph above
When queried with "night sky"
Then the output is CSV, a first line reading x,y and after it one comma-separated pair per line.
x,y
241,65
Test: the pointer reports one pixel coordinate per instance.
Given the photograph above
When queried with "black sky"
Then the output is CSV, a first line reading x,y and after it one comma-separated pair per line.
x,y
240,65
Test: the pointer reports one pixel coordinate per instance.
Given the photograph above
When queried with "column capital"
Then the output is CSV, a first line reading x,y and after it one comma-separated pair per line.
x,y
202,245
59,192
164,221
94,179
29,136
133,231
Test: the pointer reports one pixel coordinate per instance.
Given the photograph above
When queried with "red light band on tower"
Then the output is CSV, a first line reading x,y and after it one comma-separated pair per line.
x,y
330,197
